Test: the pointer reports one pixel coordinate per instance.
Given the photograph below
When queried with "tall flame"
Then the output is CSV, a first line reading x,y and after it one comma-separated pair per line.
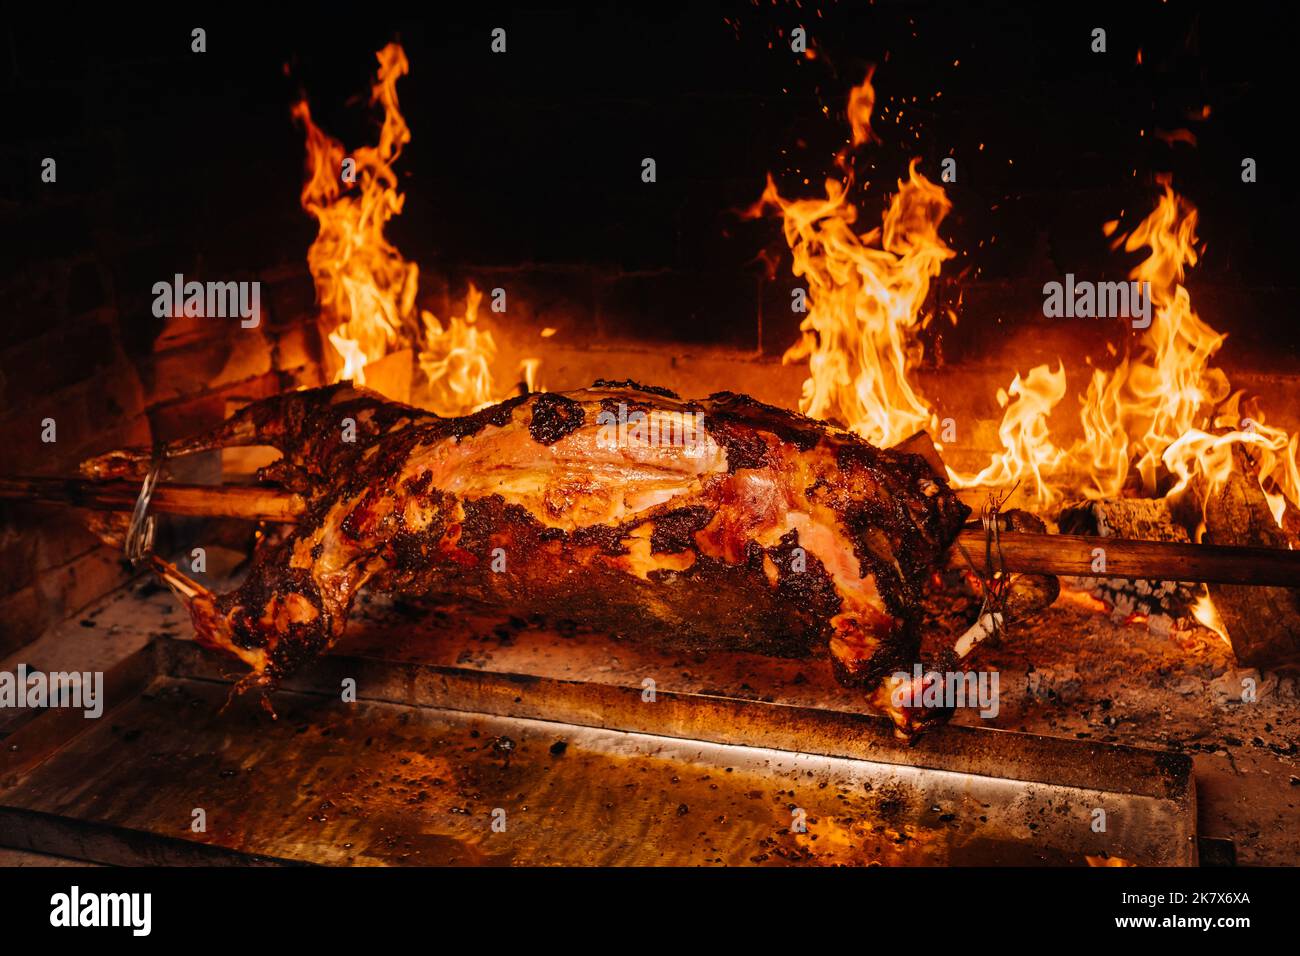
x,y
365,288
1162,420
1147,404
1162,412
865,295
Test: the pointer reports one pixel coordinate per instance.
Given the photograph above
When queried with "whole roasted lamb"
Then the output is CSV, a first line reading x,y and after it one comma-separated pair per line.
x,y
705,524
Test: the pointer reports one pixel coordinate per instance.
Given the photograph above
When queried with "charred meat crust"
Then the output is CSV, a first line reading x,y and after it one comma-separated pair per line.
x,y
745,428
554,416
577,577
628,385
469,425
675,530
778,534
897,536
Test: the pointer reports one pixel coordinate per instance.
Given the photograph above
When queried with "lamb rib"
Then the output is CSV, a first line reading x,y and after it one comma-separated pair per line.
x,y
700,524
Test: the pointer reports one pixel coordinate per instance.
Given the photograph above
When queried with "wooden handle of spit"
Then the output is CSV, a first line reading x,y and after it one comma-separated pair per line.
x,y
217,501
1073,554
1024,552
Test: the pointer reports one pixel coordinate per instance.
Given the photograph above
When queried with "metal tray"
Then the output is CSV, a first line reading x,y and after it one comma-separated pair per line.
x,y
442,764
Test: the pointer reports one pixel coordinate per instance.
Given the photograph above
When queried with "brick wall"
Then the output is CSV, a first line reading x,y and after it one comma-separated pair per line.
x,y
79,345
66,361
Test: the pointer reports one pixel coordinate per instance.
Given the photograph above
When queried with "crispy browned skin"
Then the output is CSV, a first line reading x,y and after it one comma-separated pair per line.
x,y
763,530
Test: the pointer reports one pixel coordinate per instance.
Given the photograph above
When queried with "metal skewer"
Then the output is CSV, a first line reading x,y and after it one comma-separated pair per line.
x,y
1021,551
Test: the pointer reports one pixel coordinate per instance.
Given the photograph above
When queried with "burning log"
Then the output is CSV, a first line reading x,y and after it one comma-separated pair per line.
x,y
1263,623
1138,542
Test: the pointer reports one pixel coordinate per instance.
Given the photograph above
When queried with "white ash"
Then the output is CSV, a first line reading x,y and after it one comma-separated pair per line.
x,y
1165,606
1061,683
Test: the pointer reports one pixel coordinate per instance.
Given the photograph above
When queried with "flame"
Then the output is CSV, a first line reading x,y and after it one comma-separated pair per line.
x,y
862,101
1162,421
1028,451
1203,461
365,288
457,360
1163,412
1151,402
1167,410
865,294
528,372
1207,615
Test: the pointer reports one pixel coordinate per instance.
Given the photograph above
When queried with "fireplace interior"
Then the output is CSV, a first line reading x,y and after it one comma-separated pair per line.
x,y
506,229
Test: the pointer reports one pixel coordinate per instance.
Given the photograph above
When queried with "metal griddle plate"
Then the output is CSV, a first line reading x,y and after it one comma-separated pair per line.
x,y
419,768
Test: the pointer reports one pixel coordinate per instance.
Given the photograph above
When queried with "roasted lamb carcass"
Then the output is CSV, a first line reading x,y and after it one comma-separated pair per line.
x,y
704,524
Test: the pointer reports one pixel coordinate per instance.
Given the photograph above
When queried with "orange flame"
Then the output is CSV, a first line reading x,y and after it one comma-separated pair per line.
x,y
865,294
1165,411
458,360
1161,419
1028,452
1207,615
862,101
1149,403
365,288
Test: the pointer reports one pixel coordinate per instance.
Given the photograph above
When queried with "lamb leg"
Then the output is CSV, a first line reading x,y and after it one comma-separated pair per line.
x,y
721,523
308,427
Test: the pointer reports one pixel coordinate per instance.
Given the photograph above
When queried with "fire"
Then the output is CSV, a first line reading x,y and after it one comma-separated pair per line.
x,y
865,294
1162,421
1162,413
1028,450
1149,403
457,360
1177,407
365,287
862,102
1207,615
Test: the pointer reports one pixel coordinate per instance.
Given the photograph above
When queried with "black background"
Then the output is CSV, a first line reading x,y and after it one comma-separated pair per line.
x,y
760,908
534,156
